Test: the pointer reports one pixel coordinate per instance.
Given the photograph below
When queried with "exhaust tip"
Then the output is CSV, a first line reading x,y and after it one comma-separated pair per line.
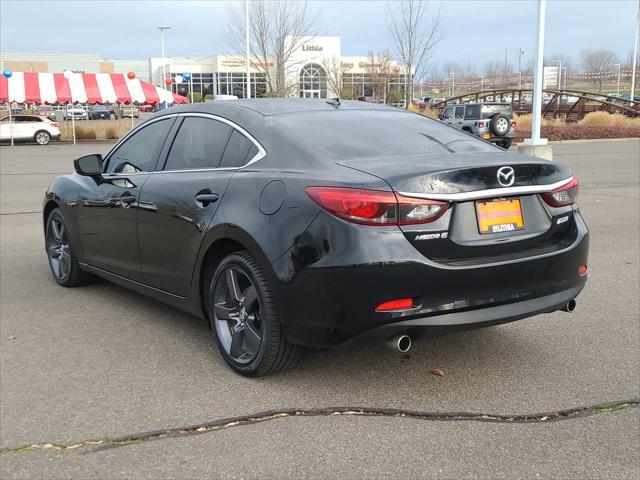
x,y
401,343
570,306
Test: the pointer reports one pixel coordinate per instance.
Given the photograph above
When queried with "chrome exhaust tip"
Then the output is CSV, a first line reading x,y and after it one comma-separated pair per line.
x,y
570,306
401,343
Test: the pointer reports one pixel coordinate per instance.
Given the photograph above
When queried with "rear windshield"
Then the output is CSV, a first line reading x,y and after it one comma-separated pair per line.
x,y
489,111
368,134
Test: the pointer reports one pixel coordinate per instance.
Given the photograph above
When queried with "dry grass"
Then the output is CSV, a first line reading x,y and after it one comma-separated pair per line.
x,y
96,129
605,119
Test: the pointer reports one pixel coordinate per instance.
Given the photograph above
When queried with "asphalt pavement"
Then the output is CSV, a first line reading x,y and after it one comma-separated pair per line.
x,y
137,389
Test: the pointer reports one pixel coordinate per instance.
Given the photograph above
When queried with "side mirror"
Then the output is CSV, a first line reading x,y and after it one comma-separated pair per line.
x,y
89,165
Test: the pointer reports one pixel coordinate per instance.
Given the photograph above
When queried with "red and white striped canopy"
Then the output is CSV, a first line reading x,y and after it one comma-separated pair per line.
x,y
50,88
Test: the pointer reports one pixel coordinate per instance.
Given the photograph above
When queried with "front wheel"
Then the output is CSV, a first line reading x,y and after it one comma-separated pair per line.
x,y
245,317
42,137
62,258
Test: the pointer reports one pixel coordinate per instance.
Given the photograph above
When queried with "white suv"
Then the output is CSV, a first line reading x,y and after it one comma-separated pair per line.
x,y
76,111
29,127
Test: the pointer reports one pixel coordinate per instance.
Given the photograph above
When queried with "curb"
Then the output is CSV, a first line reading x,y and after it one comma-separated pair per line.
x,y
587,140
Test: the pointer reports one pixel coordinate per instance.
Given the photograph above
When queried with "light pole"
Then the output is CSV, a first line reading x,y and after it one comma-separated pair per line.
x,y
453,83
162,28
618,87
635,57
482,83
536,111
246,39
520,52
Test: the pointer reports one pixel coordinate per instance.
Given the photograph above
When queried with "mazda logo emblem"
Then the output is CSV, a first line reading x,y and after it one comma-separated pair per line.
x,y
506,176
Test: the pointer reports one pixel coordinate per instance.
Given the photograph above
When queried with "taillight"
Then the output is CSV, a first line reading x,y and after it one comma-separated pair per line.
x,y
375,207
481,124
54,124
394,305
513,123
565,195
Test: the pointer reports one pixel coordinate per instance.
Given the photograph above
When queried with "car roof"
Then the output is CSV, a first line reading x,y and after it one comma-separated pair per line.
x,y
276,106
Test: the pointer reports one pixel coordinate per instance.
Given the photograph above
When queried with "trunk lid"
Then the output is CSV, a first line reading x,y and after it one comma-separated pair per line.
x,y
465,180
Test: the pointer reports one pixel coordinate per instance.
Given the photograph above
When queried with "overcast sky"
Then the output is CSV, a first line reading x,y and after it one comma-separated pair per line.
x,y
474,30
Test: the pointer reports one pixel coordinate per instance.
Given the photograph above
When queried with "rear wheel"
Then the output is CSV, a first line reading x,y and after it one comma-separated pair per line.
x,y
506,143
42,137
62,259
246,319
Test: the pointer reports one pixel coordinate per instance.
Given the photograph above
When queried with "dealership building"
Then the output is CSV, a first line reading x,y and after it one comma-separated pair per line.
x,y
309,71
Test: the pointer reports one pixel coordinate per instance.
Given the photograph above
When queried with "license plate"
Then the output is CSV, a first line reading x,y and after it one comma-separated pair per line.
x,y
496,216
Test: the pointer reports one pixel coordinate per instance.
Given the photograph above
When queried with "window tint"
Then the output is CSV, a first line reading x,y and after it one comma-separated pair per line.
x,y
239,151
473,112
198,144
459,112
140,152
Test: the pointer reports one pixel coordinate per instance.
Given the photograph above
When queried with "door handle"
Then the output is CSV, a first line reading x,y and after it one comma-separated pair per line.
x,y
204,199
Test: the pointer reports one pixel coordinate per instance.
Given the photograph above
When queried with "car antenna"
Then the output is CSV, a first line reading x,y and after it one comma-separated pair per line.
x,y
334,102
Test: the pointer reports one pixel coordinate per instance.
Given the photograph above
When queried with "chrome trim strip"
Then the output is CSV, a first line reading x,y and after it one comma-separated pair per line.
x,y
258,156
494,192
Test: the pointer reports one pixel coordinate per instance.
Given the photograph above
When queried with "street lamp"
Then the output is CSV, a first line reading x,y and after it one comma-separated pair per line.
x,y
162,28
520,52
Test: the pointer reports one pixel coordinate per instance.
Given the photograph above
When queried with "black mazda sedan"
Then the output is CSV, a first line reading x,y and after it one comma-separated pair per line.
x,y
290,222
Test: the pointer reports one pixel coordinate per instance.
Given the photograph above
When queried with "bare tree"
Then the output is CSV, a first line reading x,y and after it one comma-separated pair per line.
x,y
276,29
335,74
414,37
597,64
379,68
492,71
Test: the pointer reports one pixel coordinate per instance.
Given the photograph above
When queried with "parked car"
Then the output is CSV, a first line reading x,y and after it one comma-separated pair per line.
x,y
491,121
47,111
418,102
127,111
75,111
101,112
38,128
289,222
627,96
369,99
147,108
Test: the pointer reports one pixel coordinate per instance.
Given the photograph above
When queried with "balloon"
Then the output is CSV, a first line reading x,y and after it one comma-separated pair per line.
x,y
178,79
67,74
7,73
186,76
131,75
167,81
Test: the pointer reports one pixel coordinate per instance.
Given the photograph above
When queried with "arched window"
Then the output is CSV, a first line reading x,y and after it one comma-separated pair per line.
x,y
313,81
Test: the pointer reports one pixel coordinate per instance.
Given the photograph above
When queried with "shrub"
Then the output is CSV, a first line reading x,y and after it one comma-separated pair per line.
x,y
209,96
197,97
605,119
347,93
394,96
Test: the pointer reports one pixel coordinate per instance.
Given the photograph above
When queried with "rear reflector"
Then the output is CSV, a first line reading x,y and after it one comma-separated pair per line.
x,y
393,305
565,195
375,207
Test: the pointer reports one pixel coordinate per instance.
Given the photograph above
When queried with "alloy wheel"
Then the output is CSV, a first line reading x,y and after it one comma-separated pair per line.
x,y
42,138
502,125
237,315
58,248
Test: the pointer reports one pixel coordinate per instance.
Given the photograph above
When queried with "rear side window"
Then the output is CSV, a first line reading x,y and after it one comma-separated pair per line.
x,y
198,144
473,112
240,150
489,111
459,112
140,151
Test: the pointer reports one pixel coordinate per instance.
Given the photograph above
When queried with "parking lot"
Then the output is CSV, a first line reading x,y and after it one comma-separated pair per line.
x,y
140,391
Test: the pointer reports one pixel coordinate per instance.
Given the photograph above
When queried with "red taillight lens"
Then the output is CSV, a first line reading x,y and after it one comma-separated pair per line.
x,y
565,195
513,123
54,124
375,207
400,304
481,124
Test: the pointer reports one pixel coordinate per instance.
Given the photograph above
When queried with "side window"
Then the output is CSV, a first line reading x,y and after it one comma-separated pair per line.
x,y
447,113
239,151
198,144
460,112
139,152
472,112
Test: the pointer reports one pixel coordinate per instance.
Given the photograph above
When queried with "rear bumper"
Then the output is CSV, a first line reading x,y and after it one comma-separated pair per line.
x,y
330,289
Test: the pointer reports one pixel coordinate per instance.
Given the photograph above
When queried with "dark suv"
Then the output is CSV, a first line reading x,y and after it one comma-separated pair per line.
x,y
491,121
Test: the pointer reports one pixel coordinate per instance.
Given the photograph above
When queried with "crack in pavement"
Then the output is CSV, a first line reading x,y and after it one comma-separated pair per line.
x,y
222,424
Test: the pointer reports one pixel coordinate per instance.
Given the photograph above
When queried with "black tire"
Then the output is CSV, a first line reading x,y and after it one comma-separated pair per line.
x,y
506,143
260,316
500,125
62,259
42,137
